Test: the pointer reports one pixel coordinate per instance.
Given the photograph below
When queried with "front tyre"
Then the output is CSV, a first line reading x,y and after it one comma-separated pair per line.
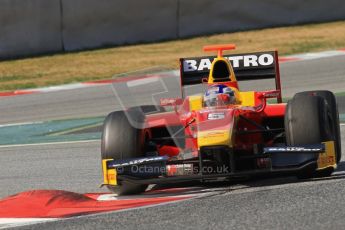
x,y
332,103
124,137
308,120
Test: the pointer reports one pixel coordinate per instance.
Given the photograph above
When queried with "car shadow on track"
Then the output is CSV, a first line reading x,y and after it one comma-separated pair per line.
x,y
268,180
257,181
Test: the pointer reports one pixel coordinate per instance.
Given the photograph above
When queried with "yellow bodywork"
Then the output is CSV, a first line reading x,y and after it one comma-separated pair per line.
x,y
214,137
195,102
109,175
247,98
327,159
231,71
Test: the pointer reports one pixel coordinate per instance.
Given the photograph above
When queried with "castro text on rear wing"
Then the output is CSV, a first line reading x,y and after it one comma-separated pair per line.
x,y
248,66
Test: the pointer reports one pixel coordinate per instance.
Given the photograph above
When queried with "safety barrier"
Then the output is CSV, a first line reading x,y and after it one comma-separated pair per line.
x,y
31,27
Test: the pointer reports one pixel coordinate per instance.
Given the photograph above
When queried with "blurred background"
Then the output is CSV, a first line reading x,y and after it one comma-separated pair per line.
x,y
31,27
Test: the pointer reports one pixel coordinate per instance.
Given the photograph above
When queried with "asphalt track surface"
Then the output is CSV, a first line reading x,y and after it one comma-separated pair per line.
x,y
269,203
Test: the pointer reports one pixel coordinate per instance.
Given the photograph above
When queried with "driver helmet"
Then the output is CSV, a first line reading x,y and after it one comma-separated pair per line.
x,y
219,95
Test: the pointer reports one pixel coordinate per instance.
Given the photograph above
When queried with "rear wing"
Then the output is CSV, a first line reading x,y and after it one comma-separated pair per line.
x,y
248,66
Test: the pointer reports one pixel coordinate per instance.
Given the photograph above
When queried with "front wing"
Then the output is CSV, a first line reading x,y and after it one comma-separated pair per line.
x,y
155,170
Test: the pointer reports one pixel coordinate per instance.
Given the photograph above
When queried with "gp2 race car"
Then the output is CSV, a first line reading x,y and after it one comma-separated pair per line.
x,y
224,133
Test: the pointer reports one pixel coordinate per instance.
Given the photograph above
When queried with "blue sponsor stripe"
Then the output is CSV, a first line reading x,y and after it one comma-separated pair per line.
x,y
315,148
135,161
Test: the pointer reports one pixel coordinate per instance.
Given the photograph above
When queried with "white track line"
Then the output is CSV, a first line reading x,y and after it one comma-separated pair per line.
x,y
16,222
23,123
317,55
49,143
143,81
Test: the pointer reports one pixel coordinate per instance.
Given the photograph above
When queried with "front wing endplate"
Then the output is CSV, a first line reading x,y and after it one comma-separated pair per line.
x,y
327,159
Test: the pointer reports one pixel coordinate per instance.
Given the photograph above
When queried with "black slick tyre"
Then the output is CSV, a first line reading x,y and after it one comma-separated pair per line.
x,y
332,103
308,120
123,137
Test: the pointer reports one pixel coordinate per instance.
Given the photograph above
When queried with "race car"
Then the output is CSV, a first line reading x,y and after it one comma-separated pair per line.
x,y
223,132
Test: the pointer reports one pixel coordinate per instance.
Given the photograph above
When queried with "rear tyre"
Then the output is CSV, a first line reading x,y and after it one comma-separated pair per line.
x,y
124,137
308,120
332,103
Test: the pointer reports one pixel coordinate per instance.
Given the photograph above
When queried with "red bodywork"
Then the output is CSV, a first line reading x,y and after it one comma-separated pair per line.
x,y
261,113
